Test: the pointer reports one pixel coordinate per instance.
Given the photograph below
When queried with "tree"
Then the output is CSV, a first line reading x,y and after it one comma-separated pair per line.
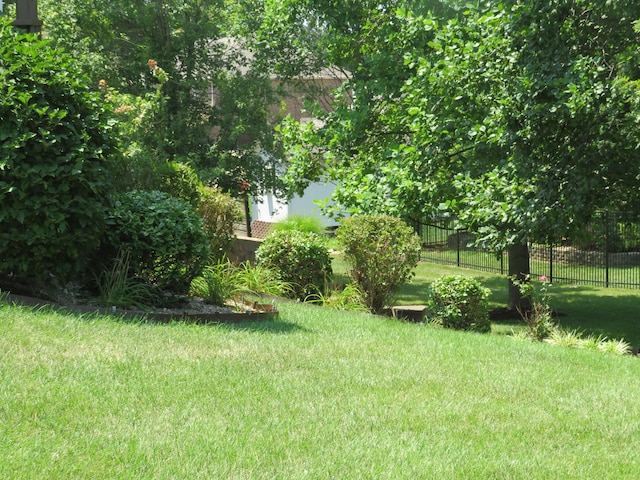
x,y
521,119
205,123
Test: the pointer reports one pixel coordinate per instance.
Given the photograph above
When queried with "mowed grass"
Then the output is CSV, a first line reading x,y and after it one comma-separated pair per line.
x,y
315,394
609,312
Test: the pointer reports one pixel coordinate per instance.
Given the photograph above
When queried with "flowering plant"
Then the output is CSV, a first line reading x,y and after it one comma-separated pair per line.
x,y
539,318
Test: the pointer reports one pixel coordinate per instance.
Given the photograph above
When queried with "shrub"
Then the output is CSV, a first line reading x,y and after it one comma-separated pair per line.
x,y
217,284
181,181
460,303
257,279
539,319
382,252
53,144
163,236
349,299
219,213
300,258
173,178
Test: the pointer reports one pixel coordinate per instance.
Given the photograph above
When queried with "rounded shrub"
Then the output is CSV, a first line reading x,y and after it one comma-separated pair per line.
x,y
460,303
219,213
163,237
54,140
382,252
300,259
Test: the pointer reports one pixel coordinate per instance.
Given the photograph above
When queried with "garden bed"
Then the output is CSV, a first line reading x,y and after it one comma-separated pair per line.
x,y
192,311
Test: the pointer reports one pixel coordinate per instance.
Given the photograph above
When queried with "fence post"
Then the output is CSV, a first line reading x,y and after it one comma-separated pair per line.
x,y
606,249
458,247
550,262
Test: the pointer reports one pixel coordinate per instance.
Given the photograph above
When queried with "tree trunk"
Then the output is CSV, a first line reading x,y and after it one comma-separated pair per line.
x,y
247,215
519,268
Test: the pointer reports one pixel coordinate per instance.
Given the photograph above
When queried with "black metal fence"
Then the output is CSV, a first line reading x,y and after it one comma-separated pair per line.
x,y
605,253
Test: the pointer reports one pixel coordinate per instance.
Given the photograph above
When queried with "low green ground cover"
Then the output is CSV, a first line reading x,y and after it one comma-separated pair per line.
x,y
315,394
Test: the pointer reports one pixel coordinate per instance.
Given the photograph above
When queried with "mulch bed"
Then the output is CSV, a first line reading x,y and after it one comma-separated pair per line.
x,y
248,315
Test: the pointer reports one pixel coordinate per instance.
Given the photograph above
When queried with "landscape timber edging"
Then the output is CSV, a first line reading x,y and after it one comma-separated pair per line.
x,y
197,318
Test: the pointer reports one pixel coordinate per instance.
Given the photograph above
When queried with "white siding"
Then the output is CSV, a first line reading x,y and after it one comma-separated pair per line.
x,y
270,209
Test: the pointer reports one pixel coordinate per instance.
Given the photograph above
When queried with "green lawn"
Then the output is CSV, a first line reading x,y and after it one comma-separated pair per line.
x,y
611,312
316,394
590,275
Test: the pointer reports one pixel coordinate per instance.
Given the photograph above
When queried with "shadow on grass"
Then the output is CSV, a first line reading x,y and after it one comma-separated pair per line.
x,y
610,313
270,324
276,326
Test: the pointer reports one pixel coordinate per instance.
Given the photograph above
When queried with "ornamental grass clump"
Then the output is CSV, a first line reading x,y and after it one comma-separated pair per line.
x,y
217,284
117,287
259,280
382,252
576,339
223,282
302,223
460,303
348,299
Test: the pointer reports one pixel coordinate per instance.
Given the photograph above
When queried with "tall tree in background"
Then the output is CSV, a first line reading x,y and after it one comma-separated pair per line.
x,y
206,120
519,118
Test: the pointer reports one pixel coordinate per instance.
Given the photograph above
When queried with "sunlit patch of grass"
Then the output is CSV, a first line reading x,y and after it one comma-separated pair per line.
x,y
317,393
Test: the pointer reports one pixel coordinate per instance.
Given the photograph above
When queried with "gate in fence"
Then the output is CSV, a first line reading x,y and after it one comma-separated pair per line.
x,y
605,253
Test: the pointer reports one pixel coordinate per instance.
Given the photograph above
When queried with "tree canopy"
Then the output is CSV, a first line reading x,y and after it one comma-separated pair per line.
x,y
215,114
520,118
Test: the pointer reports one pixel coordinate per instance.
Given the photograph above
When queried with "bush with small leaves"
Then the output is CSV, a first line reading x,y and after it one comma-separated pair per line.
x,y
460,303
219,213
382,252
54,145
163,236
300,258
181,181
174,178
